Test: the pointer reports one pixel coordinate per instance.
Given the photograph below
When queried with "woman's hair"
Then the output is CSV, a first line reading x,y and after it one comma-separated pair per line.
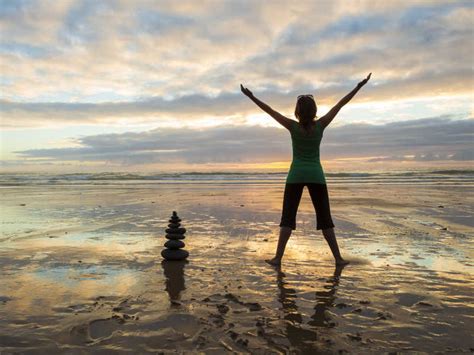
x,y
305,111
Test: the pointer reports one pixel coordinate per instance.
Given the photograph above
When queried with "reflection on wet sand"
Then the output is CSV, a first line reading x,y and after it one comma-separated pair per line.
x,y
299,337
174,274
325,300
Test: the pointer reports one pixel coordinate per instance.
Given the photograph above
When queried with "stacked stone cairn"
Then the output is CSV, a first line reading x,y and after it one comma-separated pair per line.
x,y
174,245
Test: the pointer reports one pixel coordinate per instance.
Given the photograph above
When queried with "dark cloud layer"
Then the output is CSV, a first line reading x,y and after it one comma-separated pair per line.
x,y
439,138
426,139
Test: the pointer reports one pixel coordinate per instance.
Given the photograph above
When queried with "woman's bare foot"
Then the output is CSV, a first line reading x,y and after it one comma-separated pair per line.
x,y
341,262
275,261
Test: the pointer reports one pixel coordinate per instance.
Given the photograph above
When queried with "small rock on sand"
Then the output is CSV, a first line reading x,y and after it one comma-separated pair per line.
x,y
222,308
253,306
426,304
355,337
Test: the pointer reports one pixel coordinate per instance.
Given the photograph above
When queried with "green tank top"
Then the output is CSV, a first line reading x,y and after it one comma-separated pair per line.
x,y
306,166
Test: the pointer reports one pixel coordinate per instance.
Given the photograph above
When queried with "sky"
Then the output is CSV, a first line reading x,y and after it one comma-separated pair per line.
x,y
155,85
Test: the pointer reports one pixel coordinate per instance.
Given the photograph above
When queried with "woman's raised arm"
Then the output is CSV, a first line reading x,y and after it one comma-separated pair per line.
x,y
284,121
327,118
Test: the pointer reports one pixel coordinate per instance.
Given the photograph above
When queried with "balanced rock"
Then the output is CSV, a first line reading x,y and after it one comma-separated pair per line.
x,y
174,254
174,245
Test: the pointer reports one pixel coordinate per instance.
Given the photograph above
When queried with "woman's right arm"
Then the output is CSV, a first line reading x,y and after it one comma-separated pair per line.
x,y
284,121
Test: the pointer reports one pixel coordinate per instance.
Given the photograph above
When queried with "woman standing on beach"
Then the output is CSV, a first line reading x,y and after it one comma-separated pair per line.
x,y
306,169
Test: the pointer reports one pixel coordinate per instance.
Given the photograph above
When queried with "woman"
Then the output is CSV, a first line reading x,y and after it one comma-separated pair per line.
x,y
306,169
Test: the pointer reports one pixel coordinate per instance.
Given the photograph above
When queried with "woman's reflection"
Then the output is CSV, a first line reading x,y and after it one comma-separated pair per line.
x,y
174,274
298,336
325,300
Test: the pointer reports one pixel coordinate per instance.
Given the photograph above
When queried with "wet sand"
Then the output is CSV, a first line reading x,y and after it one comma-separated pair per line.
x,y
80,271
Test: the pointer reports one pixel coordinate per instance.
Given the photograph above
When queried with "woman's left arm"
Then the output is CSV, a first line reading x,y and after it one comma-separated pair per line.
x,y
327,118
284,121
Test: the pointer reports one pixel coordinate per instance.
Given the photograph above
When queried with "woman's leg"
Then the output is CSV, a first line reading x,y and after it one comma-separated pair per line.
x,y
330,237
291,201
320,197
285,233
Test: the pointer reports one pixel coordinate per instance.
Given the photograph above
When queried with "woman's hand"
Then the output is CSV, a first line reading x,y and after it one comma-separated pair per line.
x,y
363,82
246,91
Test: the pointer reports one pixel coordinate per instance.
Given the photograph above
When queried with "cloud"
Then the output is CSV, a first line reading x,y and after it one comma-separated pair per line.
x,y
439,138
226,104
168,63
71,62
435,136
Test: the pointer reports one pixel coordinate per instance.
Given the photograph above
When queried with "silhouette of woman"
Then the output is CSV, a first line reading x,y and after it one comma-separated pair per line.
x,y
306,169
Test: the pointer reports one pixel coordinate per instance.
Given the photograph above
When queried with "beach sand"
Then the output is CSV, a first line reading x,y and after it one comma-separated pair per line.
x,y
81,271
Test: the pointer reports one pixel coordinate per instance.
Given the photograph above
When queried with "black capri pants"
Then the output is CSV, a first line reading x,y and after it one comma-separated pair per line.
x,y
319,197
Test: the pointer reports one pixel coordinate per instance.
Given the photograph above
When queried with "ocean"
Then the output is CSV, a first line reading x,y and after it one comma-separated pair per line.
x,y
422,177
